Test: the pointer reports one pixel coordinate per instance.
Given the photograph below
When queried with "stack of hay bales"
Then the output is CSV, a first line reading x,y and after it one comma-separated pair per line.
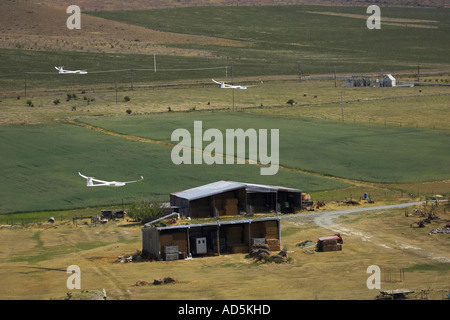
x,y
233,235
231,207
271,232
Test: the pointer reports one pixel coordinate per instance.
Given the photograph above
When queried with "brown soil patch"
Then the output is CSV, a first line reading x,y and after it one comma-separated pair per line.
x,y
39,27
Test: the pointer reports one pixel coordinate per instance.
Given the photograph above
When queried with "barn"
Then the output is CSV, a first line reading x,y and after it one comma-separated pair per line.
x,y
223,198
211,200
179,241
266,198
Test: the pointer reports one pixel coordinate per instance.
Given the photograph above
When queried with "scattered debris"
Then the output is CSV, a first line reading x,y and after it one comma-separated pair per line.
x,y
440,230
352,203
166,280
306,243
85,295
139,256
396,294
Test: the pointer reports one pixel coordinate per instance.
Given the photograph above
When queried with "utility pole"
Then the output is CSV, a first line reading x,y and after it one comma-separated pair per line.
x,y
226,67
418,72
26,78
299,68
116,93
232,81
154,61
335,76
342,108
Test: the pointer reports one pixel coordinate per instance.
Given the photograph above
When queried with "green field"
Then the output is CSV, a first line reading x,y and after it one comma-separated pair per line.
x,y
277,40
280,36
347,150
41,165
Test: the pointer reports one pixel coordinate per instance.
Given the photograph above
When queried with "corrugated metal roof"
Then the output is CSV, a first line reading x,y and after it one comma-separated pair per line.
x,y
253,187
209,190
219,223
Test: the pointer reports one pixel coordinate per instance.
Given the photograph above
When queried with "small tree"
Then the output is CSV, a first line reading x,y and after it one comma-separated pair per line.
x,y
291,102
146,210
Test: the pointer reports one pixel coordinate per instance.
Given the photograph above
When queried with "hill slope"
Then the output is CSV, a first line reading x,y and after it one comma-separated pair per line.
x,y
40,27
93,5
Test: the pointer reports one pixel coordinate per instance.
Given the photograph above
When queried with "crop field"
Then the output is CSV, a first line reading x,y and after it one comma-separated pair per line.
x,y
149,73
280,40
345,150
43,161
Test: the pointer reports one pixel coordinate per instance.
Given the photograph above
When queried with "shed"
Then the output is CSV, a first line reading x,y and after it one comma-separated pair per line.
x,y
332,243
210,238
389,81
267,198
230,198
210,200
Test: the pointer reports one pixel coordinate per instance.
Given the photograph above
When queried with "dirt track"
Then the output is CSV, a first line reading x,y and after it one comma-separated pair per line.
x,y
327,220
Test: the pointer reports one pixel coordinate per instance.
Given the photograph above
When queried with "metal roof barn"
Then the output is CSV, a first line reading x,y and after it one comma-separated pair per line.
x,y
211,200
180,241
231,198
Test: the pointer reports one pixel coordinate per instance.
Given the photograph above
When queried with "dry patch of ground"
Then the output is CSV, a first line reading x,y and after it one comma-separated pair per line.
x,y
35,259
40,27
399,22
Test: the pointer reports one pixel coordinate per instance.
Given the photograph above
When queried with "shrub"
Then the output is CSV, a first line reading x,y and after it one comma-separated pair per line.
x,y
56,102
146,210
126,98
129,111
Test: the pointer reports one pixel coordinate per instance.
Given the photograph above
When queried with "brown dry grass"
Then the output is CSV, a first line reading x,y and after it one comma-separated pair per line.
x,y
91,5
39,27
33,265
400,22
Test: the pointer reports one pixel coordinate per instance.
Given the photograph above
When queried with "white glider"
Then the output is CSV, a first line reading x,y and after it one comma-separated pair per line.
x,y
224,85
62,71
100,183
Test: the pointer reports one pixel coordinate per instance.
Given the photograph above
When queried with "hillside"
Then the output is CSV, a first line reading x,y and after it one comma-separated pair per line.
x,y
39,27
94,5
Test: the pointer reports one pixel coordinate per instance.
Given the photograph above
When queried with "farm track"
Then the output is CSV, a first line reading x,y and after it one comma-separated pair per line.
x,y
327,220
167,144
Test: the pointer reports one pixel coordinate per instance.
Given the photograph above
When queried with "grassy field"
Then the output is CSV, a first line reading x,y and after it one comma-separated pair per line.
x,y
281,36
270,40
423,107
43,161
393,144
346,150
34,262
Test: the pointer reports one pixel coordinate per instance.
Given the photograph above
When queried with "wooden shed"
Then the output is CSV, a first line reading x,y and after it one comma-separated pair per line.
x,y
177,242
332,243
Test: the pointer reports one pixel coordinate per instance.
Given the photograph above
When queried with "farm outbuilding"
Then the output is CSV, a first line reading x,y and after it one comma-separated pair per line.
x,y
210,200
389,81
180,241
231,198
265,198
